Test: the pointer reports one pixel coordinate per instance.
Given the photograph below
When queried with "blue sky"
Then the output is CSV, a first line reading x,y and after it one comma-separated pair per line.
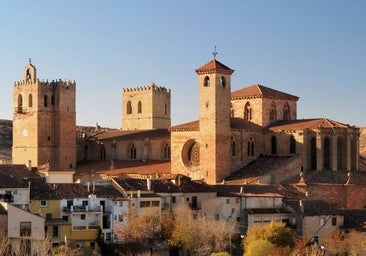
x,y
313,49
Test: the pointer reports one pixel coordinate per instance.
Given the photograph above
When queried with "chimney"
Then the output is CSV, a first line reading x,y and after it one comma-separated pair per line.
x,y
29,165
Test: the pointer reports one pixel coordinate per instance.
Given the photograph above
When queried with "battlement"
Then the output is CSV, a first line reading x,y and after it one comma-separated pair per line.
x,y
150,87
53,83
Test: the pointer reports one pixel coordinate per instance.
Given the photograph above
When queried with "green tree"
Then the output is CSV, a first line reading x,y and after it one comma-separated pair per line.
x,y
274,237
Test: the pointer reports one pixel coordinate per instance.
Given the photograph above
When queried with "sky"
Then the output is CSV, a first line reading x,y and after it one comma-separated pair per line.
x,y
314,49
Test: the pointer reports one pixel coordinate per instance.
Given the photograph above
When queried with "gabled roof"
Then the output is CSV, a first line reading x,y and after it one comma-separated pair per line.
x,y
247,190
214,66
15,176
131,134
300,124
257,90
312,207
164,186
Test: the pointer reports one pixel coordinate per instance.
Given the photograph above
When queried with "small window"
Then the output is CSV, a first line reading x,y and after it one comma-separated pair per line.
x,y
174,199
133,152
165,109
45,101
322,221
120,218
166,151
82,216
334,221
217,216
43,203
206,81
65,218
25,228
228,201
55,231
120,204
139,107
53,100
48,216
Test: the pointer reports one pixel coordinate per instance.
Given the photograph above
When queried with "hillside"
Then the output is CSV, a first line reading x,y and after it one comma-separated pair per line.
x,y
6,128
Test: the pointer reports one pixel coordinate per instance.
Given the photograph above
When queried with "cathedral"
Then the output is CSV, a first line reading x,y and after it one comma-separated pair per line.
x,y
234,129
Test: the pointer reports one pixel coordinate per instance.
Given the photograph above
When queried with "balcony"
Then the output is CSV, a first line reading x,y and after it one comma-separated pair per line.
x,y
83,208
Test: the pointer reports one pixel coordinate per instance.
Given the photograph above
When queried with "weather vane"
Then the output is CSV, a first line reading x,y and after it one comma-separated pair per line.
x,y
214,53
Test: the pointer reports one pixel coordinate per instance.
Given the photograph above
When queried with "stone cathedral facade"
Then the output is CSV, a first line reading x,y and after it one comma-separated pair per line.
x,y
234,128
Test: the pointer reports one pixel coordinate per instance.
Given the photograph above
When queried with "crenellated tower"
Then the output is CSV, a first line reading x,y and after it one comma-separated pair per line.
x,y
214,82
44,122
146,108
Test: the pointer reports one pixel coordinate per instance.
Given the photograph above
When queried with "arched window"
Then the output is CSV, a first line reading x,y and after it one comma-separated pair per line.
x,y
20,103
292,145
340,154
102,153
273,112
223,81
286,111
139,107
273,145
247,111
45,101
326,156
166,151
129,107
52,99
233,147
206,81
250,149
133,152
313,153
30,100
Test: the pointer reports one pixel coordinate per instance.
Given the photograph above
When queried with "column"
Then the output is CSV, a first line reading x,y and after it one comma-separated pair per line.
x,y
319,151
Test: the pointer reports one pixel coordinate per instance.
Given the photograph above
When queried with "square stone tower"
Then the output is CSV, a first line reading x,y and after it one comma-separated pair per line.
x,y
214,82
146,108
44,122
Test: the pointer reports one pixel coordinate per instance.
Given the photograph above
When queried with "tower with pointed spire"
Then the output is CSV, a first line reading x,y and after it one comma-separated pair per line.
x,y
214,82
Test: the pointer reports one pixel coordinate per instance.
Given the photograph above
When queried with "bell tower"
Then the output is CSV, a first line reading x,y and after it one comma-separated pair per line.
x,y
44,122
214,82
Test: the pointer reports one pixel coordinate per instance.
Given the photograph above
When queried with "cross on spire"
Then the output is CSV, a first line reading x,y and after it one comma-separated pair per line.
x,y
214,53
30,60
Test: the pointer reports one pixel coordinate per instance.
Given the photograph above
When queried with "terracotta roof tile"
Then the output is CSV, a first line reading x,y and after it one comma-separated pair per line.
x,y
214,66
312,207
123,168
132,134
256,169
316,123
236,123
15,176
257,90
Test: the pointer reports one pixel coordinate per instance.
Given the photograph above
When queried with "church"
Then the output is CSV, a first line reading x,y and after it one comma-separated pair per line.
x,y
234,129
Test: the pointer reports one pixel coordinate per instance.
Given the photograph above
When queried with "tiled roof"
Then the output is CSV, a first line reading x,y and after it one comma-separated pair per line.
x,y
164,186
214,66
15,176
256,169
261,91
252,190
41,190
337,177
123,168
132,134
266,210
312,207
300,124
236,123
